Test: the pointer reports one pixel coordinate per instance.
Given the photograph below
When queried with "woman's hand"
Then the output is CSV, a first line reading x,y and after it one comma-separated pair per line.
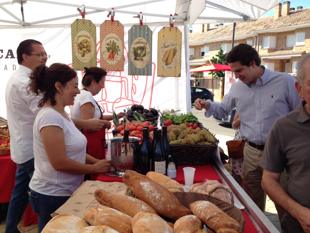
x,y
107,124
102,166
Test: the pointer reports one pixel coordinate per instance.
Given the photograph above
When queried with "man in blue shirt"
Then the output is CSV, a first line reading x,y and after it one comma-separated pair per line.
x,y
261,96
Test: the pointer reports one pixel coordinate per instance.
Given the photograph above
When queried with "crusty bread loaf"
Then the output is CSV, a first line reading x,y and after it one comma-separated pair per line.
x,y
98,229
215,189
157,196
188,224
64,223
227,230
145,222
125,204
214,217
167,182
110,217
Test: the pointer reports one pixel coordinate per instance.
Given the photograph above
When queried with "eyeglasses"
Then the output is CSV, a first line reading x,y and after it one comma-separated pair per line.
x,y
40,55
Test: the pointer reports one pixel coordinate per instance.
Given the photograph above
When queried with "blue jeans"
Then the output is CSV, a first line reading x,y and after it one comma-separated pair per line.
x,y
45,205
20,196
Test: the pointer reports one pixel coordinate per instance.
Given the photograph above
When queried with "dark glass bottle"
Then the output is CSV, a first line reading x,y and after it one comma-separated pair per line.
x,y
152,149
144,160
159,160
165,143
126,136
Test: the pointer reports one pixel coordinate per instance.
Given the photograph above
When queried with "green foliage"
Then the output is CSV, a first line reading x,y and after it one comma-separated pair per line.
x,y
219,58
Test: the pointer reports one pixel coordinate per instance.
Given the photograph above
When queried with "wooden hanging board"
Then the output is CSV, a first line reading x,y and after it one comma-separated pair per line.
x,y
169,52
83,38
112,45
140,50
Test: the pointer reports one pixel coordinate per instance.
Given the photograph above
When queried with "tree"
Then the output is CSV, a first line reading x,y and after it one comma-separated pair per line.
x,y
219,58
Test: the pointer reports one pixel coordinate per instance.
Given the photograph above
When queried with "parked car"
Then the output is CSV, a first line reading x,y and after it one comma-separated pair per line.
x,y
201,93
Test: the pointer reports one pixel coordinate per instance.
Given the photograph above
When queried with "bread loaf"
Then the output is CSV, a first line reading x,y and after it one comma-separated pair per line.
x,y
125,204
215,189
214,217
110,217
64,223
144,222
188,224
157,196
167,182
98,229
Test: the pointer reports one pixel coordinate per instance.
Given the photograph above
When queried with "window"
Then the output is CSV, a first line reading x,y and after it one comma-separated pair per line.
x,y
290,41
294,67
269,66
250,42
191,53
204,51
226,47
269,42
300,38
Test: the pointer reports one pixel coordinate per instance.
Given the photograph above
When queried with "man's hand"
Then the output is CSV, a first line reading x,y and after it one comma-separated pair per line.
x,y
200,104
304,219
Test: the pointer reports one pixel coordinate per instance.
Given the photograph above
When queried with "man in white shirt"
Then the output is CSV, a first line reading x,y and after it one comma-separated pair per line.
x,y
21,111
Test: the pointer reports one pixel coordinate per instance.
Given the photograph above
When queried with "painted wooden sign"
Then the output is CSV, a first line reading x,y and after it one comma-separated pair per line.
x,y
169,52
112,45
140,50
83,39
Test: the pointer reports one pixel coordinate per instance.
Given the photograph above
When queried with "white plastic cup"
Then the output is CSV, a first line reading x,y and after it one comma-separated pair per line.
x,y
189,174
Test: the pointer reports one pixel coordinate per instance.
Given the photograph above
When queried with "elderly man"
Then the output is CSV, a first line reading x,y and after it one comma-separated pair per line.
x,y
288,149
261,96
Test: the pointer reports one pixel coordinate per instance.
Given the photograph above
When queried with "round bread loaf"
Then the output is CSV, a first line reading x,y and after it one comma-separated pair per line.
x,y
64,223
144,222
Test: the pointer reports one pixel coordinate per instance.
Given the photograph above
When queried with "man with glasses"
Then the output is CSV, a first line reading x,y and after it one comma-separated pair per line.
x,y
261,96
21,111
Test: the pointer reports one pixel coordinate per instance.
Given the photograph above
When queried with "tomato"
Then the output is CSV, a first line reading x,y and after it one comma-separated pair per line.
x,y
120,128
151,127
140,127
145,123
167,122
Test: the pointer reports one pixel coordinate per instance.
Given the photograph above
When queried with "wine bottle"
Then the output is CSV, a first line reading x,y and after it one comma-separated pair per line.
x,y
165,143
145,153
171,168
126,136
159,159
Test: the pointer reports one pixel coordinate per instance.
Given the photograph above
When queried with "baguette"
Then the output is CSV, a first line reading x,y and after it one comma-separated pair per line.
x,y
110,217
144,222
125,204
167,182
188,224
214,217
157,196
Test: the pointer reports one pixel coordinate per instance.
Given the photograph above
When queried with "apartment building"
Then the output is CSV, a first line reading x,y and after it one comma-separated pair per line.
x,y
280,39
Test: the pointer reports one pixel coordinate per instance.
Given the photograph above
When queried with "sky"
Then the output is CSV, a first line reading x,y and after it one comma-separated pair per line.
x,y
294,3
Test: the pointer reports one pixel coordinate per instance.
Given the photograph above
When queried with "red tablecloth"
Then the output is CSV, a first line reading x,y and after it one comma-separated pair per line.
x,y
7,181
201,174
7,178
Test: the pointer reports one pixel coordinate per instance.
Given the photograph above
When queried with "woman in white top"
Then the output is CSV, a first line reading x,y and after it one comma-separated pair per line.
x,y
60,158
86,107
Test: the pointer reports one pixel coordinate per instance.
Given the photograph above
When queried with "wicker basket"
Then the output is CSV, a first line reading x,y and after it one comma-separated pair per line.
x,y
192,154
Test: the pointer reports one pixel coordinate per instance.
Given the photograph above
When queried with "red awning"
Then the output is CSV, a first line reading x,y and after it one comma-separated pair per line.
x,y
211,68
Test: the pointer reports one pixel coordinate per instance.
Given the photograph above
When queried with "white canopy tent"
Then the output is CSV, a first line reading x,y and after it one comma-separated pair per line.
x,y
21,19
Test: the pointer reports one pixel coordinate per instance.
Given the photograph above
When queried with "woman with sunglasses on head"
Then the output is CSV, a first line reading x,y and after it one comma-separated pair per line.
x,y
86,107
60,158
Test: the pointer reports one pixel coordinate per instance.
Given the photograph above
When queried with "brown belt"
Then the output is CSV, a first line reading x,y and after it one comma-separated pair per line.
x,y
259,147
